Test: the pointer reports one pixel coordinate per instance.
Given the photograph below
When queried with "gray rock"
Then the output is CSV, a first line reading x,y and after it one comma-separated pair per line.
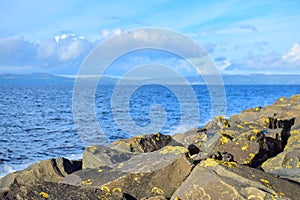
x,y
213,179
144,143
52,170
56,191
98,156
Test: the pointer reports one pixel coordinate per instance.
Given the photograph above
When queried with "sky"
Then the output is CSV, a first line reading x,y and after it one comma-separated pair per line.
x,y
241,37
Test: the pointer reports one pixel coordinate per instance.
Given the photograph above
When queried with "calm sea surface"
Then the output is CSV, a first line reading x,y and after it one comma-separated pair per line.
x,y
36,122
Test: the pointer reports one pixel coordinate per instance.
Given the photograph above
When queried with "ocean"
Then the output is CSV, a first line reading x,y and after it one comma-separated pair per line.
x,y
36,121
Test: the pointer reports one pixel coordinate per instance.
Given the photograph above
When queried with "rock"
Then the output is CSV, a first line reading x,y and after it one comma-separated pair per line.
x,y
48,190
52,170
217,123
142,176
98,156
155,198
243,148
145,143
283,113
285,165
223,156
213,179
194,137
293,142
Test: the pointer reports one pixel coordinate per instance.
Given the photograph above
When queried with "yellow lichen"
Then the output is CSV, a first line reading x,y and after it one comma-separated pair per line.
x,y
282,98
267,120
281,194
239,126
224,140
252,127
252,138
92,149
117,189
87,182
252,196
210,162
105,189
265,181
157,190
249,159
120,165
246,123
174,149
245,148
137,179
44,195
255,131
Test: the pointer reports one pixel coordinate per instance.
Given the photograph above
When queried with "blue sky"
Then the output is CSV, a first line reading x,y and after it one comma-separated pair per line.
x,y
242,37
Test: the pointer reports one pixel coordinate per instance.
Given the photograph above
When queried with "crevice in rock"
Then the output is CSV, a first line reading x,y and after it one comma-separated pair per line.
x,y
270,146
56,168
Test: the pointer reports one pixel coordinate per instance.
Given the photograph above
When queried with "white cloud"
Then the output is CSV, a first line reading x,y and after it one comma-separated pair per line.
x,y
293,55
59,51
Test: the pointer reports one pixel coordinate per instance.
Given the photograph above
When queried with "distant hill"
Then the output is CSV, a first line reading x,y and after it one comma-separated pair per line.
x,y
49,79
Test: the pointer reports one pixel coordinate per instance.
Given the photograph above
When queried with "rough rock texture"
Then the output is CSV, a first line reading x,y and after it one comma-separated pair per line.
x,y
192,139
51,191
52,170
98,156
214,179
142,176
145,143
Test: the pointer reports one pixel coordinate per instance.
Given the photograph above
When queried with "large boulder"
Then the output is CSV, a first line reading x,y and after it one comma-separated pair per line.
x,y
51,170
285,165
144,143
146,175
214,179
247,146
57,191
98,156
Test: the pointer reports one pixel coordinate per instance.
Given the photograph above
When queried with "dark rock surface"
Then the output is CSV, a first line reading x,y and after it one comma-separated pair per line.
x,y
52,170
144,143
254,155
57,191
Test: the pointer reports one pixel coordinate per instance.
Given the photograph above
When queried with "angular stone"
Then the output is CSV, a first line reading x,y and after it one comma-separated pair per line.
x,y
160,182
194,137
243,148
48,190
285,165
145,143
142,176
217,123
52,170
293,141
213,179
98,156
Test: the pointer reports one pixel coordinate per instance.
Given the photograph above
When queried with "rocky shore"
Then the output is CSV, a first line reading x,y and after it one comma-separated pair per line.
x,y
253,155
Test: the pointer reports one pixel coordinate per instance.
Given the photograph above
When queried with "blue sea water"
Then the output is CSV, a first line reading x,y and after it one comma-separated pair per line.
x,y
36,122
